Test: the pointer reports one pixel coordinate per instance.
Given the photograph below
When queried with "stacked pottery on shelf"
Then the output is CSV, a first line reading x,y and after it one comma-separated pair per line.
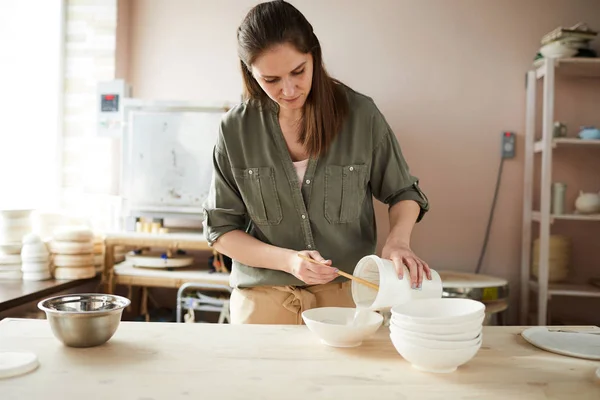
x,y
73,253
98,253
35,259
566,42
559,258
10,265
14,225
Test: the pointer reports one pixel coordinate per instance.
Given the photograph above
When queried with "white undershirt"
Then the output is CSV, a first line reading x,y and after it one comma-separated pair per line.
x,y
301,169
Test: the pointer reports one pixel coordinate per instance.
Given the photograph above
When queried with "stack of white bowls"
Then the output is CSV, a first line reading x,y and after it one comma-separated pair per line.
x,y
10,266
14,224
36,259
72,250
438,334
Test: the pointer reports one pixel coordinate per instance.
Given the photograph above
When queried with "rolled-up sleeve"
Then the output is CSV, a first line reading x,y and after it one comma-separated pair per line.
x,y
224,210
391,181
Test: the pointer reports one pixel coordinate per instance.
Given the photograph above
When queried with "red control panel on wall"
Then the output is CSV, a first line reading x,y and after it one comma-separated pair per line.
x,y
109,103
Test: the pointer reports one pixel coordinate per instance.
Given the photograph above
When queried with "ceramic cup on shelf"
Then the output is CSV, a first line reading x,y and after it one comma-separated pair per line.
x,y
558,198
559,130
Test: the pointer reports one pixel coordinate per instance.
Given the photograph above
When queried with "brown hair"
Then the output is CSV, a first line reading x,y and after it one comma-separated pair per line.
x,y
277,22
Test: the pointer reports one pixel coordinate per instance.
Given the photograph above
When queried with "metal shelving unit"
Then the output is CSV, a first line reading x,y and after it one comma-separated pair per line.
x,y
548,70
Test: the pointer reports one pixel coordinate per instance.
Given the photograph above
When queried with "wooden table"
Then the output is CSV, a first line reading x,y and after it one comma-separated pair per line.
x,y
125,274
217,361
16,293
188,241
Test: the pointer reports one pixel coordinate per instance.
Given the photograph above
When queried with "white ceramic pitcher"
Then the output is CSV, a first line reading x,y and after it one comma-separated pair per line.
x,y
392,290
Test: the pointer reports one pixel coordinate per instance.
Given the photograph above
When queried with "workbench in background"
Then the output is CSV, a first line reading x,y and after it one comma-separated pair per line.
x,y
18,293
126,274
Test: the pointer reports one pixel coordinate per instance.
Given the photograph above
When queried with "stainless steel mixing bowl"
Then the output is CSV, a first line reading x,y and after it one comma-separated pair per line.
x,y
84,320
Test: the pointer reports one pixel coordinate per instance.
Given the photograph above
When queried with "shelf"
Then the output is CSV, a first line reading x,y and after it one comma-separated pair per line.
x,y
578,67
537,216
539,145
550,69
568,289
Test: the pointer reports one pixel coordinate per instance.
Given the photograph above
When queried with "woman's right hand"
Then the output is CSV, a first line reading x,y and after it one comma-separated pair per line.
x,y
310,273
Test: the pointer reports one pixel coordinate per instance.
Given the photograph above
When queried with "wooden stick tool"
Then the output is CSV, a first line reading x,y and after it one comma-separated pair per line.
x,y
342,273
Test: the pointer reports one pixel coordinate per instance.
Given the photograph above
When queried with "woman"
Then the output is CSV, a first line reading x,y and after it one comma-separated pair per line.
x,y
295,168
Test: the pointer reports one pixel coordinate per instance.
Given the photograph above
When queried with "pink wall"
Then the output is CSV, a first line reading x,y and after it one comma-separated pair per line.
x,y
449,76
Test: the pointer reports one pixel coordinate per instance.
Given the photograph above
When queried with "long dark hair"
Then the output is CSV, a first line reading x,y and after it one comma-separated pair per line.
x,y
326,106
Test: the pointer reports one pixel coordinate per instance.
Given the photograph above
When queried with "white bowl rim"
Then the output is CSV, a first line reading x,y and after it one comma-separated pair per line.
x,y
461,349
443,336
447,300
476,340
125,302
314,321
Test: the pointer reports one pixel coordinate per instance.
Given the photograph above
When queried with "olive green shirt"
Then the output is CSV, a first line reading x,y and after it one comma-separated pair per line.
x,y
255,188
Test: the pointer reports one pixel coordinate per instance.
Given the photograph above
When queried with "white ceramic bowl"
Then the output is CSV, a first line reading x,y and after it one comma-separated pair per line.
x,y
10,248
336,326
433,343
557,50
439,311
34,251
434,360
440,336
444,329
9,214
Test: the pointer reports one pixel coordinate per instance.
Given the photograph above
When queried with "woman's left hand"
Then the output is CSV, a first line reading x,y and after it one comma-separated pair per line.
x,y
401,254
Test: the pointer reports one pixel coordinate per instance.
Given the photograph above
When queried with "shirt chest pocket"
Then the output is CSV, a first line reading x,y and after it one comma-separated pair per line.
x,y
345,189
259,193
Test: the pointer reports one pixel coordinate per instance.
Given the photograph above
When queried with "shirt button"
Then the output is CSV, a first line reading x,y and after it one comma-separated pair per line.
x,y
250,171
309,246
303,216
308,181
351,168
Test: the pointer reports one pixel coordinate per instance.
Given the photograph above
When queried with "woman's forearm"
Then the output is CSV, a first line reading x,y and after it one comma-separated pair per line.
x,y
403,216
250,251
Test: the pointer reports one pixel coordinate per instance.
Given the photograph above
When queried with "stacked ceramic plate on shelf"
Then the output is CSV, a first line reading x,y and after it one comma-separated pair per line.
x,y
10,263
35,259
73,253
98,243
14,225
438,334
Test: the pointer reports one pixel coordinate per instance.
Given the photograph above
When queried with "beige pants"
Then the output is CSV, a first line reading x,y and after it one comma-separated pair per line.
x,y
285,304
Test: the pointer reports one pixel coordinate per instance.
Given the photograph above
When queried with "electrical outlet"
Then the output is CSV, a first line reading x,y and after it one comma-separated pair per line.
x,y
508,144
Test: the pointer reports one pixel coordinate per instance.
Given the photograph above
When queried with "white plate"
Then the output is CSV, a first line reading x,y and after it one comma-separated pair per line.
x,y
10,259
15,363
11,275
73,234
36,276
10,248
35,266
58,247
15,213
73,260
154,260
580,345
10,267
62,273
